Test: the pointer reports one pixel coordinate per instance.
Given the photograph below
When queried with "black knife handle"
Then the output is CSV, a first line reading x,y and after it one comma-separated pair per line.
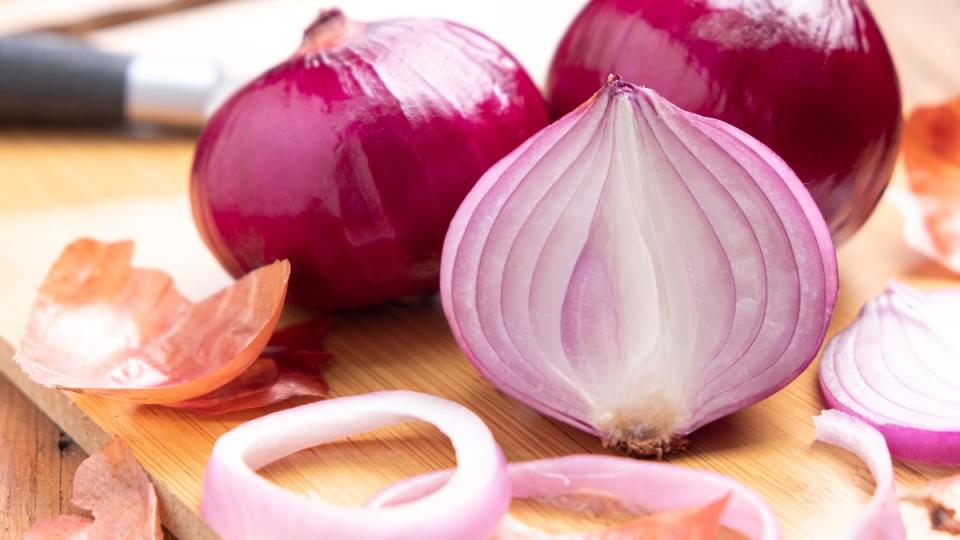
x,y
55,80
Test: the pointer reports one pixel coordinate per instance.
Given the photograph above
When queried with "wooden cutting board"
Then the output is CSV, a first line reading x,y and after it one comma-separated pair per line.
x,y
57,185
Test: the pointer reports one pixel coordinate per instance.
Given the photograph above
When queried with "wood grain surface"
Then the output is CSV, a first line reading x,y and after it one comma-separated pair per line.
x,y
37,463
55,185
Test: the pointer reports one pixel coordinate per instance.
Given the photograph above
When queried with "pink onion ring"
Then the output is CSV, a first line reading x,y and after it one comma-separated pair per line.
x,y
640,485
881,519
897,367
239,503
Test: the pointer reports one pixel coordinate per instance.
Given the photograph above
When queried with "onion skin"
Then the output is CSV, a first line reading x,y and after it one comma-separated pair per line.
x,y
814,82
350,158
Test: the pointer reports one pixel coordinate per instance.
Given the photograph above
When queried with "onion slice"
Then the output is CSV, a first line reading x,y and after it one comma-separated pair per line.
x,y
100,326
635,485
881,519
638,271
112,485
239,503
897,367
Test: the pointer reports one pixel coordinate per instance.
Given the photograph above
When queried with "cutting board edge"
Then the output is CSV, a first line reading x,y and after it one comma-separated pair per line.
x,y
177,516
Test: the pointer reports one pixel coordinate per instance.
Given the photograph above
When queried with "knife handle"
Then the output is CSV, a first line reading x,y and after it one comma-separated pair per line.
x,y
54,80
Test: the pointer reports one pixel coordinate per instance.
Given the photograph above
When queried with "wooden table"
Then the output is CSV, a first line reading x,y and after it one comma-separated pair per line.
x,y
47,173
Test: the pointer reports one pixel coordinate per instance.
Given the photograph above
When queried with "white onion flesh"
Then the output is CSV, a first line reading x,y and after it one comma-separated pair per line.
x,y
638,271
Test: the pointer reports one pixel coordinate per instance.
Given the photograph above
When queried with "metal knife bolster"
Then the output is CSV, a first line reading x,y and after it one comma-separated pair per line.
x,y
169,91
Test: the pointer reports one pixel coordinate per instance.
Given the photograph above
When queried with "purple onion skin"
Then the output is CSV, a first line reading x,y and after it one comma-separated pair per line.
x,y
818,86
318,162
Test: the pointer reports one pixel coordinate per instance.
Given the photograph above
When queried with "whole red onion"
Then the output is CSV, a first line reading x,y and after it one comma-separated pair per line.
x,y
812,80
350,158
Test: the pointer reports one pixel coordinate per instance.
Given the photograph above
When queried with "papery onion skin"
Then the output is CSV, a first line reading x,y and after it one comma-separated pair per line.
x,y
586,257
931,201
638,485
895,367
102,326
812,80
350,158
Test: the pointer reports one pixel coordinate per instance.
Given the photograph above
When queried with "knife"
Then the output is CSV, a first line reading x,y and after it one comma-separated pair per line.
x,y
56,80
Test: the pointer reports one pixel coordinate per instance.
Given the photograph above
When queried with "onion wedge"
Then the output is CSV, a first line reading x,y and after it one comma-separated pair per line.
x,y
102,327
881,519
239,503
111,484
897,367
636,485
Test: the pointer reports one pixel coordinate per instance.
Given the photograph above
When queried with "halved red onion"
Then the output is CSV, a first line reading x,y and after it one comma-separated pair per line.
x,y
637,271
637,485
881,519
239,503
897,366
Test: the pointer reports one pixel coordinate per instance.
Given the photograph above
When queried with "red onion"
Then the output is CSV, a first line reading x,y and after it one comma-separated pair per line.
x,y
350,158
897,366
639,485
637,271
881,519
239,503
812,80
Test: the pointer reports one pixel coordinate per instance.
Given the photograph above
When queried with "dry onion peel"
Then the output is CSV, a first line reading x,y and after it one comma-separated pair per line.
x,y
239,503
897,367
100,326
290,366
627,233
933,511
112,485
881,519
931,204
636,485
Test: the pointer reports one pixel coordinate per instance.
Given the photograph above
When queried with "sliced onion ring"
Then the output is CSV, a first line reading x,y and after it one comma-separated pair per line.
x,y
643,485
897,367
881,519
239,503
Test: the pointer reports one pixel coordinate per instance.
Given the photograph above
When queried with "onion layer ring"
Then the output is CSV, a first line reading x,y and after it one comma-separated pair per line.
x,y
644,485
239,503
